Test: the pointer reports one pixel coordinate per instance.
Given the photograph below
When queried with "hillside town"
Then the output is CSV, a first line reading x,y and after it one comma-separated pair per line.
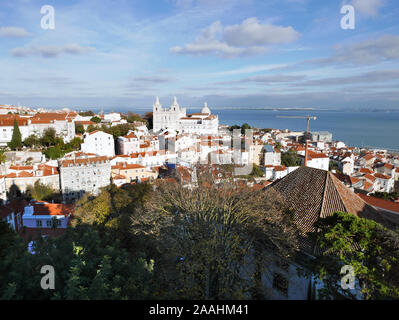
x,y
173,149
310,170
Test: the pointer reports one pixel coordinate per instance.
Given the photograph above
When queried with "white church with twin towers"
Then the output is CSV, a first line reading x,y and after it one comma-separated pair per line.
x,y
176,118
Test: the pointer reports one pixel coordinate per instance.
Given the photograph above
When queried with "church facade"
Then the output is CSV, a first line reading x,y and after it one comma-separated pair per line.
x,y
176,118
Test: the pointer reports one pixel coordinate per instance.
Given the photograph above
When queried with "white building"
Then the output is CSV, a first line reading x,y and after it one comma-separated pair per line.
x,y
46,215
272,156
317,160
62,123
98,142
128,144
177,119
83,174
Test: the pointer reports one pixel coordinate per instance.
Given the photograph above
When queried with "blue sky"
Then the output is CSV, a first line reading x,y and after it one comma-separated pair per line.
x,y
243,53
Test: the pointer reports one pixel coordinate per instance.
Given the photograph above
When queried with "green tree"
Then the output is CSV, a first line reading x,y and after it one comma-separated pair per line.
x,y
371,249
244,127
31,141
148,116
132,117
2,156
290,159
392,196
79,129
87,267
16,140
41,192
86,113
257,171
96,119
49,138
208,235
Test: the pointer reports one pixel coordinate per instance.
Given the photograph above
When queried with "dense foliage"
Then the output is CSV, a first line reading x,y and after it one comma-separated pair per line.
x,y
371,249
290,159
86,267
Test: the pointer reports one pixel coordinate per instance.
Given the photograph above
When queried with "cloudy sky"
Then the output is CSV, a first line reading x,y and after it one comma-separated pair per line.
x,y
243,53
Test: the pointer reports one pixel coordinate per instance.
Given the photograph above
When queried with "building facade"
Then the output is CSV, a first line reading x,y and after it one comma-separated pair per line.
x,y
99,142
176,118
85,174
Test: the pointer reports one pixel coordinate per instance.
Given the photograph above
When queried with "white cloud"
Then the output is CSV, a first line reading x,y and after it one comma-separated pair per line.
x,y
51,51
252,33
368,7
248,38
248,69
14,32
367,52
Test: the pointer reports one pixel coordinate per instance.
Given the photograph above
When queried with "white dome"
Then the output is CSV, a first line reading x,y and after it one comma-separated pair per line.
x,y
205,109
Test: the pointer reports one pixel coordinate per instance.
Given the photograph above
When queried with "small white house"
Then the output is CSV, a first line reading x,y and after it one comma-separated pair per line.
x,y
99,142
46,215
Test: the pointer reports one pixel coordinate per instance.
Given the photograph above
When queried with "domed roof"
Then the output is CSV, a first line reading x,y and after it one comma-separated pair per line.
x,y
205,109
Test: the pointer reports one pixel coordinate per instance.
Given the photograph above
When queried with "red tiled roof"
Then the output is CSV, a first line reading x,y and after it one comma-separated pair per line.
x,y
66,163
127,166
368,157
382,176
21,167
388,166
380,203
366,170
370,177
52,209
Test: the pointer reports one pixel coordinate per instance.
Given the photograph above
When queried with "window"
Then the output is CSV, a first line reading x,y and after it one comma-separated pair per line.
x,y
48,223
280,283
38,223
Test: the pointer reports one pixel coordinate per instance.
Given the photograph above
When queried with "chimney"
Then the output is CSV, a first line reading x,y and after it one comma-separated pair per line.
x,y
306,154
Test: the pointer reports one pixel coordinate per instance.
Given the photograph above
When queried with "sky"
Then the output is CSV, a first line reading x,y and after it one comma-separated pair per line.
x,y
121,54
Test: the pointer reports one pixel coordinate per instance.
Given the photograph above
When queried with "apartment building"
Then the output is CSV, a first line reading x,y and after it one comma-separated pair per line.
x,y
83,174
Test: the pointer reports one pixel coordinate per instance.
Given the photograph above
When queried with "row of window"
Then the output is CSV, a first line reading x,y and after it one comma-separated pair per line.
x,y
49,223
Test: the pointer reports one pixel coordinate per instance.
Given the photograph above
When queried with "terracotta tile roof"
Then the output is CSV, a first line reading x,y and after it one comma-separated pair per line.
x,y
389,166
313,194
368,186
130,135
8,120
52,209
83,161
368,157
20,174
118,177
370,177
382,176
366,170
380,203
86,122
314,155
21,167
127,166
